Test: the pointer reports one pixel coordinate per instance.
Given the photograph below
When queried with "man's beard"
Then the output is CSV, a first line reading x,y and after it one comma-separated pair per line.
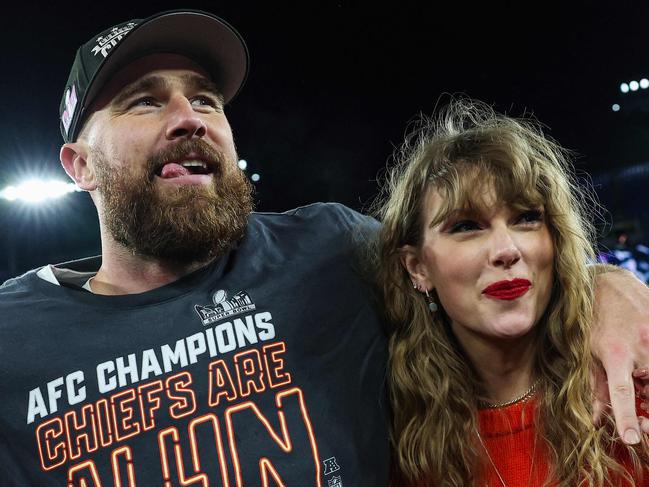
x,y
181,225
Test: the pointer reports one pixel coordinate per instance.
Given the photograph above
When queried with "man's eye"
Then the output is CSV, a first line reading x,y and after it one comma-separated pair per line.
x,y
464,226
146,101
206,101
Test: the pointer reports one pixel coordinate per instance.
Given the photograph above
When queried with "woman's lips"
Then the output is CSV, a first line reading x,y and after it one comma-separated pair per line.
x,y
507,290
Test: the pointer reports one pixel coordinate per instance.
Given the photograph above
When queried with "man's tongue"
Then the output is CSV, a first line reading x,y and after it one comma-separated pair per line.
x,y
173,170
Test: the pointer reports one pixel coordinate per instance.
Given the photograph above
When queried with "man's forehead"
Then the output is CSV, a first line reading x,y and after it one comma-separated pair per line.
x,y
152,67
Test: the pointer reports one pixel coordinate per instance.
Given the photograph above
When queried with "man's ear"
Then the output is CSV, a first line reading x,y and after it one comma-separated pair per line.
x,y
411,260
74,159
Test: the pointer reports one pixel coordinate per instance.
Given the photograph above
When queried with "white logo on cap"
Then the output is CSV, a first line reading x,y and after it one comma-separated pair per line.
x,y
70,106
105,44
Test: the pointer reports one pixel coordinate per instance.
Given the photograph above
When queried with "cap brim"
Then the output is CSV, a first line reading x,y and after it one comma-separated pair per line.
x,y
207,40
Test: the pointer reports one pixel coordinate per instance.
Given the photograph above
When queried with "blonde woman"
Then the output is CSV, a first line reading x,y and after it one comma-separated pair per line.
x,y
484,251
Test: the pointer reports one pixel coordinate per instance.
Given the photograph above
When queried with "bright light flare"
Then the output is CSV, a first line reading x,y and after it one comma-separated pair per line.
x,y
644,83
255,177
37,190
615,107
624,88
243,164
634,85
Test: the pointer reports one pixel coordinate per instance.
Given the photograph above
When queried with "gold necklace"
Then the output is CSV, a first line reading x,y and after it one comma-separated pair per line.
x,y
493,464
523,397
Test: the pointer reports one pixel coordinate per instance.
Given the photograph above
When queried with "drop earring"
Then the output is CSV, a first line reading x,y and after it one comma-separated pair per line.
x,y
432,305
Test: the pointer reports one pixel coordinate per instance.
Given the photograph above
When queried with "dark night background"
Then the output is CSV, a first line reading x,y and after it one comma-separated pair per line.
x,y
332,88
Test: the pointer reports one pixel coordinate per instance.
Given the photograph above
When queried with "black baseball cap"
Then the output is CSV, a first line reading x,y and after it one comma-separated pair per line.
x,y
200,36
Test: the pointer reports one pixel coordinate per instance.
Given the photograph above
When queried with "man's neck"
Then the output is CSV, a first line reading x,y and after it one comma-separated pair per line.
x,y
123,272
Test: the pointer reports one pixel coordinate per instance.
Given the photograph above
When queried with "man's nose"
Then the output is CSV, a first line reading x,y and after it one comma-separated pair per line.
x,y
504,252
183,122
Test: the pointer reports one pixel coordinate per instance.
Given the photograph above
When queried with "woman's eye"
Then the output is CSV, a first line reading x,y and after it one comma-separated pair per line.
x,y
464,226
531,216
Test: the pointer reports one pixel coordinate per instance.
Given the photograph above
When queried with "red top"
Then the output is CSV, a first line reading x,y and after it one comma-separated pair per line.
x,y
509,435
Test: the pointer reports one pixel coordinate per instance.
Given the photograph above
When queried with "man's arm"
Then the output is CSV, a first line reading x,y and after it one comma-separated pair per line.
x,y
620,340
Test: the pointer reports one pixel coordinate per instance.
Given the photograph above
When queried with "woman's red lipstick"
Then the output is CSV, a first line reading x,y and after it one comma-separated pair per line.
x,y
507,290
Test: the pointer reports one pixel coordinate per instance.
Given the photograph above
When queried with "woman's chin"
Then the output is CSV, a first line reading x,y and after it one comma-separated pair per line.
x,y
512,333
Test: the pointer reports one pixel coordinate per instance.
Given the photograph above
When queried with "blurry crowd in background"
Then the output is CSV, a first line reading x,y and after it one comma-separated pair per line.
x,y
624,230
625,248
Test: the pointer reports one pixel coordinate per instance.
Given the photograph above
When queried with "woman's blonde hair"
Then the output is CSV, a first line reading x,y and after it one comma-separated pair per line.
x,y
433,388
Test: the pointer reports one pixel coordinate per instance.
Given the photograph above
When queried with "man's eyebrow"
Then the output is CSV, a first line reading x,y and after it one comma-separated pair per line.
x,y
200,83
150,83
154,83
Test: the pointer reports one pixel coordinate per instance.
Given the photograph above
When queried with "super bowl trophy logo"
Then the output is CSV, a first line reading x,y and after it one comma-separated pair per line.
x,y
224,307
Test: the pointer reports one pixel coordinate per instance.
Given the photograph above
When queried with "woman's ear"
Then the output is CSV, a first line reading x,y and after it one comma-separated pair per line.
x,y
74,159
411,260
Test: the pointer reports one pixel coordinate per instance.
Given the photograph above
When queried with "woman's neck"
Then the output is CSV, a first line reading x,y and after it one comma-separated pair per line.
x,y
505,366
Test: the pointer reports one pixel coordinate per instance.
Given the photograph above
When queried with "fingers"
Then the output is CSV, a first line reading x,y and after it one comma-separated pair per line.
x,y
622,394
644,424
640,378
620,338
641,382
600,394
641,373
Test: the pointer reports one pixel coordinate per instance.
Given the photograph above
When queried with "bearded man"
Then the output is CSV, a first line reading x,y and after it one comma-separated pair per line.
x,y
208,344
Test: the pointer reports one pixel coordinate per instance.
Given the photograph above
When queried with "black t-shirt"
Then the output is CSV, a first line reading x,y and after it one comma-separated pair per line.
x,y
264,368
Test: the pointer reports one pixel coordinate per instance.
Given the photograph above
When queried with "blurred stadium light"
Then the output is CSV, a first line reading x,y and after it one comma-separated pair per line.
x,y
634,85
37,191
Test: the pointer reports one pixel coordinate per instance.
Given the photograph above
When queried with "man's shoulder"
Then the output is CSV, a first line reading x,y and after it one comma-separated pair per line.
x,y
325,216
28,287
320,232
17,295
18,285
